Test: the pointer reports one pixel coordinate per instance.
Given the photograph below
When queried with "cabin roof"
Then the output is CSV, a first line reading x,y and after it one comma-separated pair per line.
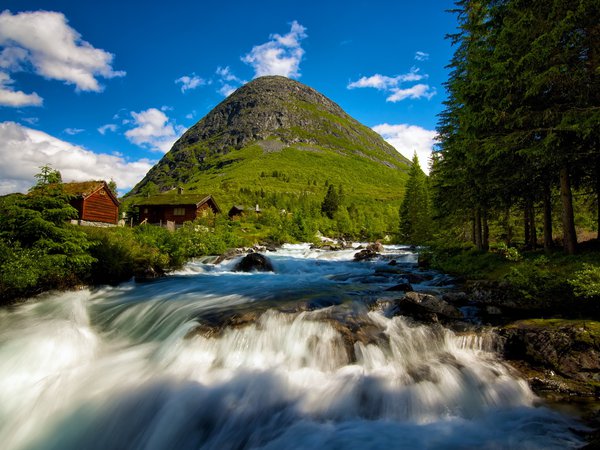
x,y
86,188
176,200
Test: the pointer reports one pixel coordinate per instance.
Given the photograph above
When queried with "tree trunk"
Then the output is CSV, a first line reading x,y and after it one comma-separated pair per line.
x,y
547,218
598,196
507,227
526,224
532,230
485,238
478,237
568,220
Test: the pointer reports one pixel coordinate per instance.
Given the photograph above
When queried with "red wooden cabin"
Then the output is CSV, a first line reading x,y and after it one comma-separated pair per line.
x,y
94,201
178,208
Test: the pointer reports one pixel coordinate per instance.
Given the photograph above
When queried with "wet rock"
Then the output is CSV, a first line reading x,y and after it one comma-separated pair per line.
x,y
148,274
230,254
376,247
254,262
417,278
570,348
430,304
402,286
365,255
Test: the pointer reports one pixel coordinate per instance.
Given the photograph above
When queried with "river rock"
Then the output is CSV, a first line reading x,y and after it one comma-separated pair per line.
x,y
377,247
365,255
402,286
254,262
430,303
230,254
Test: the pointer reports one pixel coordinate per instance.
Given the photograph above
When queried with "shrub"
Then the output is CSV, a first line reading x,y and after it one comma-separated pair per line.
x,y
586,282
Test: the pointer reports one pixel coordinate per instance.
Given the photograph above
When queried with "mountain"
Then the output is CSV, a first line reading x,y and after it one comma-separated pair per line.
x,y
277,135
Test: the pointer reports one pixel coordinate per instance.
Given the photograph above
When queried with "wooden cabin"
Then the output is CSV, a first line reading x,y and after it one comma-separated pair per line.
x,y
95,203
178,208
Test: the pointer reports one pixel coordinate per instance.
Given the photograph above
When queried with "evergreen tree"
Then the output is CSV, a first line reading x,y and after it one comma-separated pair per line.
x,y
415,211
331,202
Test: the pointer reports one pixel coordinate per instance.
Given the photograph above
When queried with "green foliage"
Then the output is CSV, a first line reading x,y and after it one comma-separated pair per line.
x,y
47,175
415,211
39,249
331,202
586,281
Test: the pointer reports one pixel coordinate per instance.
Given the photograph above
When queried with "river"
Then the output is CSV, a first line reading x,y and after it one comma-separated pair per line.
x,y
208,358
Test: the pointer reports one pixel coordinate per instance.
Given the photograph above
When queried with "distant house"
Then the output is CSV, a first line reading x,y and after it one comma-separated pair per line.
x,y
237,210
176,208
95,203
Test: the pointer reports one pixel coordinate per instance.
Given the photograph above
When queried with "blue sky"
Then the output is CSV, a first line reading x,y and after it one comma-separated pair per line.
x,y
103,89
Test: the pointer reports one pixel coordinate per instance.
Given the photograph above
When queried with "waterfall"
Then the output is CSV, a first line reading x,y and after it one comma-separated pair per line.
x,y
212,359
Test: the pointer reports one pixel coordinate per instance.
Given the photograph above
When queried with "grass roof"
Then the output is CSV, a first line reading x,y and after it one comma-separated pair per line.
x,y
173,199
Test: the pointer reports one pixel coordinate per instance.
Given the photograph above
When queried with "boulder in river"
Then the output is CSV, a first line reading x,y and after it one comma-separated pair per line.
x,y
254,262
402,286
430,303
365,255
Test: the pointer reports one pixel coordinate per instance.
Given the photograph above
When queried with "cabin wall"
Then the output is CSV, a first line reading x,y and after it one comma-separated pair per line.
x,y
99,207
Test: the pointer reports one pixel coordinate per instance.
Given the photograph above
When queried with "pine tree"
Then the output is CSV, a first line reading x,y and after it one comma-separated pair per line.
x,y
415,211
331,202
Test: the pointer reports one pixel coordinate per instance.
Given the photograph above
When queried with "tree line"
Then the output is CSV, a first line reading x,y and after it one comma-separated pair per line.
x,y
521,123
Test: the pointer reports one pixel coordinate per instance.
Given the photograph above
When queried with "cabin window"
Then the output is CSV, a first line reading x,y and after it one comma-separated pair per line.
x,y
145,210
179,211
102,192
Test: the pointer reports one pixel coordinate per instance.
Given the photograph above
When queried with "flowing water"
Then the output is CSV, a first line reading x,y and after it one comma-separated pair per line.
x,y
310,356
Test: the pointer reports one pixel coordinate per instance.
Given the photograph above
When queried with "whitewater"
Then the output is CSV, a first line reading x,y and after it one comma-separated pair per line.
x,y
313,356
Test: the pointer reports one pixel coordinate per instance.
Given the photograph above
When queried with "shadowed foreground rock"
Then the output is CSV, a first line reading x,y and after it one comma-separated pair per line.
x,y
254,262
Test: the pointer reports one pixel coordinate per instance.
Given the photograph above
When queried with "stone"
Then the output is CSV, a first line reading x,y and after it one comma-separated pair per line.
x,y
254,262
431,304
403,286
365,255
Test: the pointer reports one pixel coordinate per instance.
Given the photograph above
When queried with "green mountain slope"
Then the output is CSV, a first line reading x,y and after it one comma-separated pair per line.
x,y
276,138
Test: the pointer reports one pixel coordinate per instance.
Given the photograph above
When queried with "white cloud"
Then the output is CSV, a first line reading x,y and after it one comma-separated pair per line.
x,y
226,90
10,97
108,127
24,150
391,85
45,41
226,75
189,82
383,82
73,131
229,82
281,55
408,139
153,130
417,91
421,56
30,120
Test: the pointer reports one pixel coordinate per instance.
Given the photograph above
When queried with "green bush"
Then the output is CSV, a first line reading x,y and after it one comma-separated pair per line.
x,y
586,282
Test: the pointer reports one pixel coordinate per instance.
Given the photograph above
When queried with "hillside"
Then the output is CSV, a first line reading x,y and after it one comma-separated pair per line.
x,y
275,136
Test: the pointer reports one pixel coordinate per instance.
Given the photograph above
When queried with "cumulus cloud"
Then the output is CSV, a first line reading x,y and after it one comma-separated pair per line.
x,y
417,91
391,85
24,150
44,41
383,83
153,130
228,81
189,82
421,56
281,55
408,139
108,127
10,97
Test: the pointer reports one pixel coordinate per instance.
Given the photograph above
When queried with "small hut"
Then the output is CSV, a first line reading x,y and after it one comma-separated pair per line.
x,y
178,208
95,203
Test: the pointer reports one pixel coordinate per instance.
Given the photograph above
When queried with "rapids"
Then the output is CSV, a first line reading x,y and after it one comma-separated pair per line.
x,y
306,357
